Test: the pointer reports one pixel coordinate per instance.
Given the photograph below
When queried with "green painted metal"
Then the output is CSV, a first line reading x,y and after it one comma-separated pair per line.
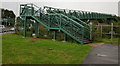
x,y
55,34
87,29
65,37
25,26
82,14
69,22
37,29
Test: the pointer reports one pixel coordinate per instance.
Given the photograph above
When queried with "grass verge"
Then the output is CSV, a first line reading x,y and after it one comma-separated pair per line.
x,y
107,41
19,50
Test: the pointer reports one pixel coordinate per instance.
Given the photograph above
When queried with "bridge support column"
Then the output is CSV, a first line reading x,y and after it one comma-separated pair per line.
x,y
65,37
55,33
37,29
25,26
48,32
82,36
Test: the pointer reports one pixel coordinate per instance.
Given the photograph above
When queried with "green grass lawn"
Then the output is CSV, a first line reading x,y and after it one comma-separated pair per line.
x,y
106,40
19,50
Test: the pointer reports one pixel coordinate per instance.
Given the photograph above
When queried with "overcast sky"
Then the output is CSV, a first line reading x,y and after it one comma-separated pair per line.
x,y
110,7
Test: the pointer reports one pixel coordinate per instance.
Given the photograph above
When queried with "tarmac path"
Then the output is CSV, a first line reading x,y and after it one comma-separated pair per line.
x,y
103,54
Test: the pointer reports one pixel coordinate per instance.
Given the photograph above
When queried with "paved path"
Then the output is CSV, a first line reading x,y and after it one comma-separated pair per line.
x,y
104,54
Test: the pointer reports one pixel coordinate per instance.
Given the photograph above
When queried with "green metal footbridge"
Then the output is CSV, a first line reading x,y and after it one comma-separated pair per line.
x,y
71,22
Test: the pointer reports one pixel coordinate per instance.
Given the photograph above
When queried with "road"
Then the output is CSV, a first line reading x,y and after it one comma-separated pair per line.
x,y
104,54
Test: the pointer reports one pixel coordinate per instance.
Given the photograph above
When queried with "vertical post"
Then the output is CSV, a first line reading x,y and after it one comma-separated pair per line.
x,y
90,30
32,10
83,35
40,13
101,31
60,21
25,26
65,37
49,21
83,15
36,29
98,27
111,31
54,37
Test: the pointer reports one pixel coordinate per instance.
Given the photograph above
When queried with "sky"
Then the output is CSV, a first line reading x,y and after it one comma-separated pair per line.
x,y
101,6
119,8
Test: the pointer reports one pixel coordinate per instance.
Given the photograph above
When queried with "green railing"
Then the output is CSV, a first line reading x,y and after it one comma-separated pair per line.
x,y
29,9
87,27
58,21
63,23
82,14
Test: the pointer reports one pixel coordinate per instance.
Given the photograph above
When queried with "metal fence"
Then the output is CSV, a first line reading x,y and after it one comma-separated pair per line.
x,y
111,31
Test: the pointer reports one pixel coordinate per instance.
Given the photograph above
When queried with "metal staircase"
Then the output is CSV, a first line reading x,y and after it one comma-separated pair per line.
x,y
87,27
54,19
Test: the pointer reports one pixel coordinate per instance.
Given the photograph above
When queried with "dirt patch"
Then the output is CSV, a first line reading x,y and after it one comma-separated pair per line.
x,y
95,44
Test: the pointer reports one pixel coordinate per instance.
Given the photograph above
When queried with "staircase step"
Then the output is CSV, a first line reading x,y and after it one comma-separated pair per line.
x,y
69,25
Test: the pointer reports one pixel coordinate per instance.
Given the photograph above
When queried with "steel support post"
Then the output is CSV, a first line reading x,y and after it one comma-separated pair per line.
x,y
25,26
36,29
90,32
65,37
49,21
55,33
60,21
82,35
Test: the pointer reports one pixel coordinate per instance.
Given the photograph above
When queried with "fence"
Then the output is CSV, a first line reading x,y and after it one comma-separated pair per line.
x,y
112,31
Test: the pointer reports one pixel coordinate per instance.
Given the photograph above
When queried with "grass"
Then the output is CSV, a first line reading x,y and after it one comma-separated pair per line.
x,y
0,49
106,40
19,50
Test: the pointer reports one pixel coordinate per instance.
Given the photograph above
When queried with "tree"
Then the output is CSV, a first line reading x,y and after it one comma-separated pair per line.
x,y
7,13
